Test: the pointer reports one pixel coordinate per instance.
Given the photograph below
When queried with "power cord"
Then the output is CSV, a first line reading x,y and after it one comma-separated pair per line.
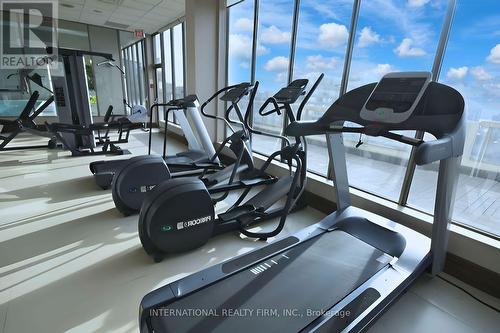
x,y
469,293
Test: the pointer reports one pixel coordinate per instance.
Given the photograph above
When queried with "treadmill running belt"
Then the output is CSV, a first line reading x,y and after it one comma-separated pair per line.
x,y
281,294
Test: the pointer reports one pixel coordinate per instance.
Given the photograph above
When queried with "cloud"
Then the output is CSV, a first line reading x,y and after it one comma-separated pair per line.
x,y
382,69
241,47
245,64
367,37
244,24
324,9
281,77
273,35
279,63
332,35
457,73
405,49
494,56
320,63
417,3
480,74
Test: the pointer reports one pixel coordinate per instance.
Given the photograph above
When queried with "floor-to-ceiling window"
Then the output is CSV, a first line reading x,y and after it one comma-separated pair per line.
x,y
167,74
389,35
240,43
271,67
134,67
169,65
322,34
472,66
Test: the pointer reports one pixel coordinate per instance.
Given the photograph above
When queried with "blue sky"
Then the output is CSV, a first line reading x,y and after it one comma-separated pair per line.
x,y
391,35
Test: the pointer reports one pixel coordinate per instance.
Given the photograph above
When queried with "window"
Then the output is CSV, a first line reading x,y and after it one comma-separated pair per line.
x,y
320,50
169,61
239,54
390,36
91,85
472,66
134,73
157,49
240,34
167,52
159,86
273,52
178,64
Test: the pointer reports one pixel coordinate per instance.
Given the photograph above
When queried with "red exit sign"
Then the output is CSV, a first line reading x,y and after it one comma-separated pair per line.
x,y
139,34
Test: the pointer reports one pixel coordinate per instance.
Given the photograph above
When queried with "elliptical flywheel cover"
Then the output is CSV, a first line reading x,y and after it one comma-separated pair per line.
x,y
176,216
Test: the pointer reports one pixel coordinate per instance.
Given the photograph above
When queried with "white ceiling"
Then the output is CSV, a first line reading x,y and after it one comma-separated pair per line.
x,y
149,15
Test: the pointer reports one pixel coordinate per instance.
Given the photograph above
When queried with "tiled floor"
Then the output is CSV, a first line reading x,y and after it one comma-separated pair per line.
x,y
69,262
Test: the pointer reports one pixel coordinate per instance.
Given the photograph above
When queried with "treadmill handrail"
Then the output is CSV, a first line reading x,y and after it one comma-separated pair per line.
x,y
427,151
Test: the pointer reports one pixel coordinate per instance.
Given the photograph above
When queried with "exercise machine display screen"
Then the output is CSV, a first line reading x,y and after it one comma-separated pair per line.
x,y
395,97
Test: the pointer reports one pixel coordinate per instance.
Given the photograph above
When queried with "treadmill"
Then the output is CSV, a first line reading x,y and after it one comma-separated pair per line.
x,y
340,274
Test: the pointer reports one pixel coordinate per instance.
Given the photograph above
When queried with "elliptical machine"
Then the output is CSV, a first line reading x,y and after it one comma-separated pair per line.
x,y
179,215
135,179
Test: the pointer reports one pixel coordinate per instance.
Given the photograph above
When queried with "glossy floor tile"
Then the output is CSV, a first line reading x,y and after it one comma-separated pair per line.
x,y
69,262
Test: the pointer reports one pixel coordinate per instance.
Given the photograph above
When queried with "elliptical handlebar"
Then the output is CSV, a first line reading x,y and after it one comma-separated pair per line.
x,y
246,88
254,131
309,94
297,84
276,109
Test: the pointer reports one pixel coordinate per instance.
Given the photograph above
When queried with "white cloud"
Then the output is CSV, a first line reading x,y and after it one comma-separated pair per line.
x,y
241,47
405,49
244,24
281,77
244,65
494,56
332,35
273,35
279,63
457,73
480,74
320,63
367,37
417,3
382,69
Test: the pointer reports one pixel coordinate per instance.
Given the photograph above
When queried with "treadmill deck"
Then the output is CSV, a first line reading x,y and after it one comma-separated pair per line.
x,y
280,293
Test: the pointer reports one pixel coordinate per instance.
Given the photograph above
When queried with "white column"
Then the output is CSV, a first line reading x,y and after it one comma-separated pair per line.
x,y
204,53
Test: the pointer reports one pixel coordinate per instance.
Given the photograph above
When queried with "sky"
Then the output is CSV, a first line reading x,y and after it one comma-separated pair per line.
x,y
391,35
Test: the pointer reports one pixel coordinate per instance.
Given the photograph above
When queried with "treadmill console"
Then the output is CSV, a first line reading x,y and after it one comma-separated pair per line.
x,y
395,97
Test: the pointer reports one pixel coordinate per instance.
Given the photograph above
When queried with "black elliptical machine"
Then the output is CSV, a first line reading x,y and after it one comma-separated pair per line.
x,y
132,182
179,215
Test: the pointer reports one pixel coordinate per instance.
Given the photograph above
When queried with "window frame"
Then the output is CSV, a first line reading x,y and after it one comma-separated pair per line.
x,y
162,64
436,69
